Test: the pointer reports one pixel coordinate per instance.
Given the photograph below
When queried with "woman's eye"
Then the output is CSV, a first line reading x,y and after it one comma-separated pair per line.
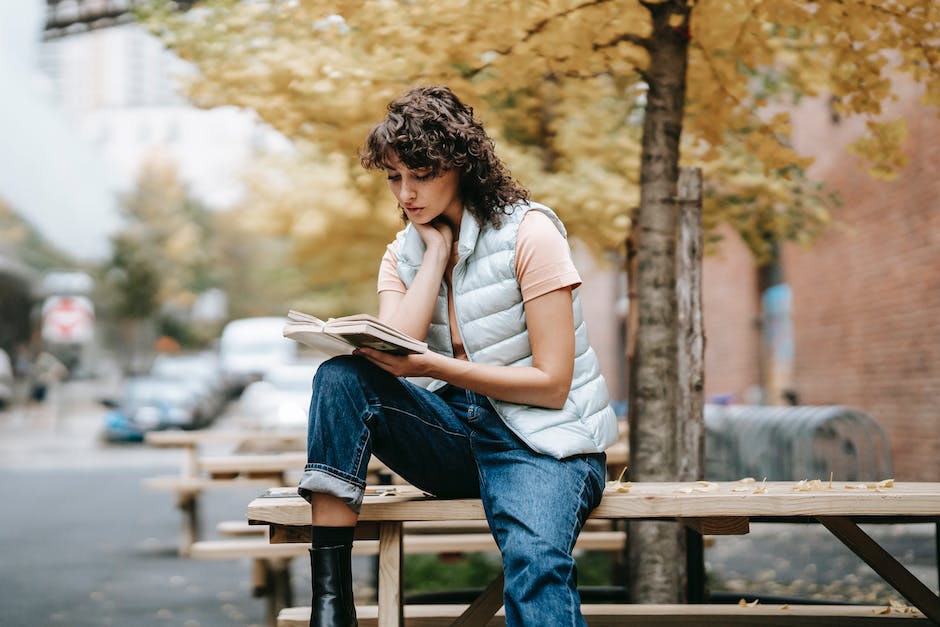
x,y
393,177
425,177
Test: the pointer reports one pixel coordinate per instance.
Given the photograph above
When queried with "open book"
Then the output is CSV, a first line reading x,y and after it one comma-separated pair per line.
x,y
339,336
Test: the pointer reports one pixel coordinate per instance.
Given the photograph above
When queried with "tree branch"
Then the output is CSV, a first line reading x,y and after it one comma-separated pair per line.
x,y
721,84
636,40
537,28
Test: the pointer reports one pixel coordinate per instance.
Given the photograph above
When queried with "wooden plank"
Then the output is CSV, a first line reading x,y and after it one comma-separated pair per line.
x,y
194,485
184,439
390,575
885,565
611,615
646,500
719,525
446,543
260,548
253,463
236,548
240,528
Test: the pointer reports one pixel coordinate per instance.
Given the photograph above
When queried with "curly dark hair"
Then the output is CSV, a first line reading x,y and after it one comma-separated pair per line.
x,y
430,128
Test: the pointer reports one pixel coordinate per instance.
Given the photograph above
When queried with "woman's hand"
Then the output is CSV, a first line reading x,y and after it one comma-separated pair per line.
x,y
417,365
437,235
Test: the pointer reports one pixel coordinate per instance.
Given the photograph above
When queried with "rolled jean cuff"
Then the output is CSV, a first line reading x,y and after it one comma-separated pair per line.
x,y
327,480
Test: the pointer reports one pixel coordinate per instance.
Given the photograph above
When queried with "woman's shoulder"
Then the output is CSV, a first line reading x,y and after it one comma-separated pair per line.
x,y
531,215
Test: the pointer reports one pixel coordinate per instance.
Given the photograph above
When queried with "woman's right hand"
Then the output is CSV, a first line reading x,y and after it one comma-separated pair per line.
x,y
437,235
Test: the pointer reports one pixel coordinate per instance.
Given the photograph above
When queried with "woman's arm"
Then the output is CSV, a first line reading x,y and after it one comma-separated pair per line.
x,y
411,312
545,383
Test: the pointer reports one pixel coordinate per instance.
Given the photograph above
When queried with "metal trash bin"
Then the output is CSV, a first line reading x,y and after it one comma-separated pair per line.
x,y
794,443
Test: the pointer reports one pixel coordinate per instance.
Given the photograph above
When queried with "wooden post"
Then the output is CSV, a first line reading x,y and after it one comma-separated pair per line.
x,y
690,421
690,430
391,565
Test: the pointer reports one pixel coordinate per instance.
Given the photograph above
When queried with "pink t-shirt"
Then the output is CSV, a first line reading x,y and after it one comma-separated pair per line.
x,y
543,265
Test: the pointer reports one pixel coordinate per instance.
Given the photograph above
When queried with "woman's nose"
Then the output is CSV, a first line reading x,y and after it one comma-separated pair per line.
x,y
405,193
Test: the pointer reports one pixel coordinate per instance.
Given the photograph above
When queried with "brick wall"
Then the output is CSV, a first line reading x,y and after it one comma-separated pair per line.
x,y
866,296
730,306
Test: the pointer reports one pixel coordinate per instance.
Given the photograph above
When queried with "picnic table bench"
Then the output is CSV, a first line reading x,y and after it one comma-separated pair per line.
x,y
707,508
199,472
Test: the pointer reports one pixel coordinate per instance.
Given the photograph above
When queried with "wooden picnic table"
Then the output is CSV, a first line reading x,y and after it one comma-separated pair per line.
x,y
254,459
199,472
708,508
192,442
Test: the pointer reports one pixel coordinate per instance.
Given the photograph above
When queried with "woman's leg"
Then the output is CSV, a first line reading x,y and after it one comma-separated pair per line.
x,y
536,506
357,409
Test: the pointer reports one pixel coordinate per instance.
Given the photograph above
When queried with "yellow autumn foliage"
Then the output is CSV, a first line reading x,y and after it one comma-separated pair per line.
x,y
560,84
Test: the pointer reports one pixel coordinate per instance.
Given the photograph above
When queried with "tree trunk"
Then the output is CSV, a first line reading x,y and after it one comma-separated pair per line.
x,y
653,553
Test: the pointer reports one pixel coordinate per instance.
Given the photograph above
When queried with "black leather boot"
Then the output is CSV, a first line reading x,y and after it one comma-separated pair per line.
x,y
331,571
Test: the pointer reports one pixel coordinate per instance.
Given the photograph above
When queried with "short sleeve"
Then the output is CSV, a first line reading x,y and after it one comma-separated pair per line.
x,y
389,280
543,258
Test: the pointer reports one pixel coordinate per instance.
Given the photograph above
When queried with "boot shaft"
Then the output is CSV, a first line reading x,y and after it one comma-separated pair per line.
x,y
333,604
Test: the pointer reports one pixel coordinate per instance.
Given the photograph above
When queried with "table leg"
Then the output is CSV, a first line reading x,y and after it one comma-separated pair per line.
x,y
390,575
696,581
484,607
884,564
188,504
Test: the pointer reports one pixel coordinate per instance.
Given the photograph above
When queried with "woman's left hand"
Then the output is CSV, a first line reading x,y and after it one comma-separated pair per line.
x,y
417,365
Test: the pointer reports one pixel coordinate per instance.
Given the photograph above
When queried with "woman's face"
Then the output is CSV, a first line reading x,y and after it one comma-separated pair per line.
x,y
422,196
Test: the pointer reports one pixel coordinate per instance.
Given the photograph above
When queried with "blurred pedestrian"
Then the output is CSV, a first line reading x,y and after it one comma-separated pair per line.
x,y
6,379
514,409
46,373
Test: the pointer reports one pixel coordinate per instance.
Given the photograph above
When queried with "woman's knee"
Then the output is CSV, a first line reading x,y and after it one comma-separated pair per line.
x,y
337,371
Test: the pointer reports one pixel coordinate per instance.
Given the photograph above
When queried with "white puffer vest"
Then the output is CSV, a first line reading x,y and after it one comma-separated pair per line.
x,y
491,321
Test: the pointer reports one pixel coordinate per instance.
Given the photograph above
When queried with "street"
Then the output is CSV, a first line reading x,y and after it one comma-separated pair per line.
x,y
85,545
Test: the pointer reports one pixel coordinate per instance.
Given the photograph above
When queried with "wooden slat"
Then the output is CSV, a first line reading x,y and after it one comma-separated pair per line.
x,y
253,463
183,439
647,500
241,528
235,548
193,485
259,548
610,615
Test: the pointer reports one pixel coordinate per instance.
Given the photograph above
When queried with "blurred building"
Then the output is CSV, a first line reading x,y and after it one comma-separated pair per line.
x,y
122,89
48,174
18,286
859,326
84,108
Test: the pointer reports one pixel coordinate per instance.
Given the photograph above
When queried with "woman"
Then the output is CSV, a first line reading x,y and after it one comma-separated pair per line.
x,y
508,405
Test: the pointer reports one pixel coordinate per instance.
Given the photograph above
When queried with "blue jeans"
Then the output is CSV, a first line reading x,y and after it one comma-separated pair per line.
x,y
451,443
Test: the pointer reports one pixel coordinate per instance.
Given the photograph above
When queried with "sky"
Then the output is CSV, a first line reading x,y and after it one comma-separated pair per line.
x,y
48,174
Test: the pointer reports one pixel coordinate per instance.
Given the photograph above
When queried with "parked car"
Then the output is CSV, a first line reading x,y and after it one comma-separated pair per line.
x,y
250,346
150,404
281,399
202,372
